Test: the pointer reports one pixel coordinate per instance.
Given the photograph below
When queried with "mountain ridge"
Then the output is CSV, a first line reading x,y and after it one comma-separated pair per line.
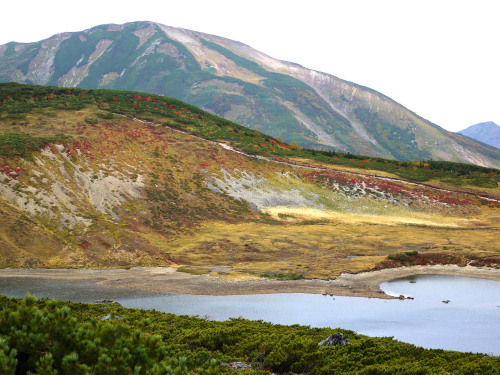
x,y
280,65
233,80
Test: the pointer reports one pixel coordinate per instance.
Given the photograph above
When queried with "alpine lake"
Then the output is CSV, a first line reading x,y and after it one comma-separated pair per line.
x,y
446,312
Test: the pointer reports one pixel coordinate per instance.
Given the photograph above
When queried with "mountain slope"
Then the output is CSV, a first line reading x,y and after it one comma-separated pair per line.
x,y
238,83
101,178
486,132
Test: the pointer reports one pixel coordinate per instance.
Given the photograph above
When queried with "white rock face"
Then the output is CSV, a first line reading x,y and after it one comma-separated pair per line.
x,y
78,73
41,67
64,194
259,193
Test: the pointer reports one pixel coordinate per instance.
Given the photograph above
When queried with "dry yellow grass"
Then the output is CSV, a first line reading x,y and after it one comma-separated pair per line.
x,y
298,215
324,248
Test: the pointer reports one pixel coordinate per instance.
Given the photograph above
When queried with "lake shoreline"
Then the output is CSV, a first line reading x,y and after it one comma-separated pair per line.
x,y
167,279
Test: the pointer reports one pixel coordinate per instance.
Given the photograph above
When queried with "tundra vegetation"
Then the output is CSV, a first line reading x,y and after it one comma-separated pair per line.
x,y
107,178
42,336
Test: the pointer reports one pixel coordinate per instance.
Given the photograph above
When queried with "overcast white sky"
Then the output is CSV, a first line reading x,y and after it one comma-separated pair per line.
x,y
439,58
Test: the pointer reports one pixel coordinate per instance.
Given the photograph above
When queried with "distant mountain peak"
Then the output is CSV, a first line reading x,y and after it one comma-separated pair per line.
x,y
487,132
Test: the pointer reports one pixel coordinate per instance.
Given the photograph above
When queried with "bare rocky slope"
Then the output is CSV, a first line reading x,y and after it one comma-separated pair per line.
x,y
239,83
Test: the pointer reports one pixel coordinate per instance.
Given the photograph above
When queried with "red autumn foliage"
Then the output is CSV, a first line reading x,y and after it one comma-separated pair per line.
x,y
85,244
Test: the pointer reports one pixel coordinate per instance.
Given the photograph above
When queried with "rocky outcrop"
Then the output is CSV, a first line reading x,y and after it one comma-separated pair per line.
x,y
238,365
111,317
334,339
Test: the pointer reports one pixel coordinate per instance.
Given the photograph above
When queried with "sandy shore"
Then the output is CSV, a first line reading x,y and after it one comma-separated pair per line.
x,y
167,279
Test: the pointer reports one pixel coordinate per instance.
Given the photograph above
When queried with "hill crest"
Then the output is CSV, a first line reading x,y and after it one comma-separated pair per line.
x,y
234,81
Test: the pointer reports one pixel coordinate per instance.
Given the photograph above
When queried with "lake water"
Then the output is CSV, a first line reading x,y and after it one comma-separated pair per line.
x,y
469,322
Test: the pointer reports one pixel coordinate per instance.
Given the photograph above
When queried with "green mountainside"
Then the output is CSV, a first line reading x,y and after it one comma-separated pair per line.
x,y
234,81
107,178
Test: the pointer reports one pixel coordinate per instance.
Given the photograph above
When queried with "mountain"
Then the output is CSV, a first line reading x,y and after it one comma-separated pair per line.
x,y
239,83
486,132
107,178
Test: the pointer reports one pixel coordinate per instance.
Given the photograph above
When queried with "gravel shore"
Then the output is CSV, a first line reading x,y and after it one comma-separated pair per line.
x,y
167,279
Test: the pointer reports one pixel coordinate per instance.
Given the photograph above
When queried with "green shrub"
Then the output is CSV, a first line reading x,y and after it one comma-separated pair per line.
x,y
18,144
414,252
484,182
455,181
105,115
91,121
50,339
400,257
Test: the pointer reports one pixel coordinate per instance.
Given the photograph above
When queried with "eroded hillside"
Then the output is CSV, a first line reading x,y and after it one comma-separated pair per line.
x,y
108,178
